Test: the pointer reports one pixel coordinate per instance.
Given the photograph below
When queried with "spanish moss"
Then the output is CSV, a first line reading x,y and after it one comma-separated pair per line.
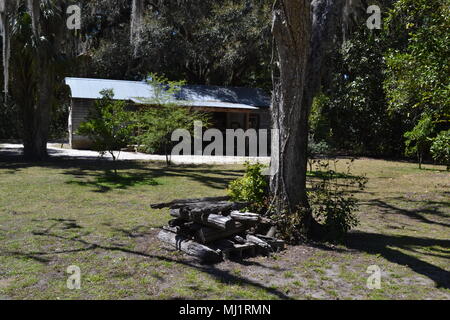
x,y
137,18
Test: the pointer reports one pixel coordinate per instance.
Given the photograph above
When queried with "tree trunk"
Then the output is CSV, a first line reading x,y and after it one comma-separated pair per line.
x,y
303,34
37,121
291,30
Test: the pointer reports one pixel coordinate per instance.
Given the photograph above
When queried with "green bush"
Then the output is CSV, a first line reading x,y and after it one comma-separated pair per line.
x,y
109,125
251,188
440,149
332,199
418,139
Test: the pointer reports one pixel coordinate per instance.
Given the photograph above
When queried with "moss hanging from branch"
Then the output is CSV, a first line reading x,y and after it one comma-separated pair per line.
x,y
33,9
7,8
137,18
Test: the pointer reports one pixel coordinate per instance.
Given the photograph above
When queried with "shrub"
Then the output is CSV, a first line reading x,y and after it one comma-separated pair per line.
x,y
251,188
440,149
162,116
332,200
109,125
418,139
316,149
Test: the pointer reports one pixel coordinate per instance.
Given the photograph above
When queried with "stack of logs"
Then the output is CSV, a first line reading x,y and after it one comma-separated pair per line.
x,y
212,229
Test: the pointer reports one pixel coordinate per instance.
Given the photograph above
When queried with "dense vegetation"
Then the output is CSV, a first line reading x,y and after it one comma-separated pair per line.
x,y
381,85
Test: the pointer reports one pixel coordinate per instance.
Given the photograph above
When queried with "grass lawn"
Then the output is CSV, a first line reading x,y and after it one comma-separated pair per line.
x,y
65,213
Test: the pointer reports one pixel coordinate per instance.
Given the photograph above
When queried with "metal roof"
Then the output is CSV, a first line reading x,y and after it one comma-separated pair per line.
x,y
189,95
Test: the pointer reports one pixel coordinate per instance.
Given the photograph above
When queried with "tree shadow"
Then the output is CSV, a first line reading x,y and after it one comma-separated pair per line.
x,y
383,245
416,214
97,173
109,181
83,245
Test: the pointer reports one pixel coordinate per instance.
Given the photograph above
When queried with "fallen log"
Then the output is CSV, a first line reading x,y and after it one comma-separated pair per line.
x,y
221,207
239,239
212,220
245,216
260,243
181,202
238,250
176,222
187,230
201,252
207,235
276,244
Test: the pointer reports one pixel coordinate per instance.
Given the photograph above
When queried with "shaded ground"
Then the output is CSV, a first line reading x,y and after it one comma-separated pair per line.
x,y
65,152
65,213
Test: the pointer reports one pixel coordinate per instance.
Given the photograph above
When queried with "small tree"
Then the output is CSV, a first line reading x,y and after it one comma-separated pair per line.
x,y
418,140
316,149
162,115
108,126
440,149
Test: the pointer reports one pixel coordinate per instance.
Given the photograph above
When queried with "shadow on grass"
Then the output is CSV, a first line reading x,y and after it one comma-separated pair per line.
x,y
223,276
416,214
98,173
109,181
384,245
327,176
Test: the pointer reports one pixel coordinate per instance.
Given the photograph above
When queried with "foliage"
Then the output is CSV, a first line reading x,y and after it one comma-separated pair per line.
x,y
251,188
440,149
223,42
162,115
418,140
9,120
417,79
332,199
350,114
316,149
41,55
291,226
108,125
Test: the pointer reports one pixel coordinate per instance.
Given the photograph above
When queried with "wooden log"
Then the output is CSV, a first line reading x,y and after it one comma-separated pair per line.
x,y
245,216
239,239
201,252
239,250
276,244
260,243
176,222
208,235
273,230
221,207
211,220
187,229
176,229
181,202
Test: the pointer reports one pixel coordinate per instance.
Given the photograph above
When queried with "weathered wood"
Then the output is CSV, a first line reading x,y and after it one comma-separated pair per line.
x,y
176,229
187,229
181,202
239,250
212,220
207,235
260,243
176,222
276,244
245,216
219,207
272,231
201,252
238,239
